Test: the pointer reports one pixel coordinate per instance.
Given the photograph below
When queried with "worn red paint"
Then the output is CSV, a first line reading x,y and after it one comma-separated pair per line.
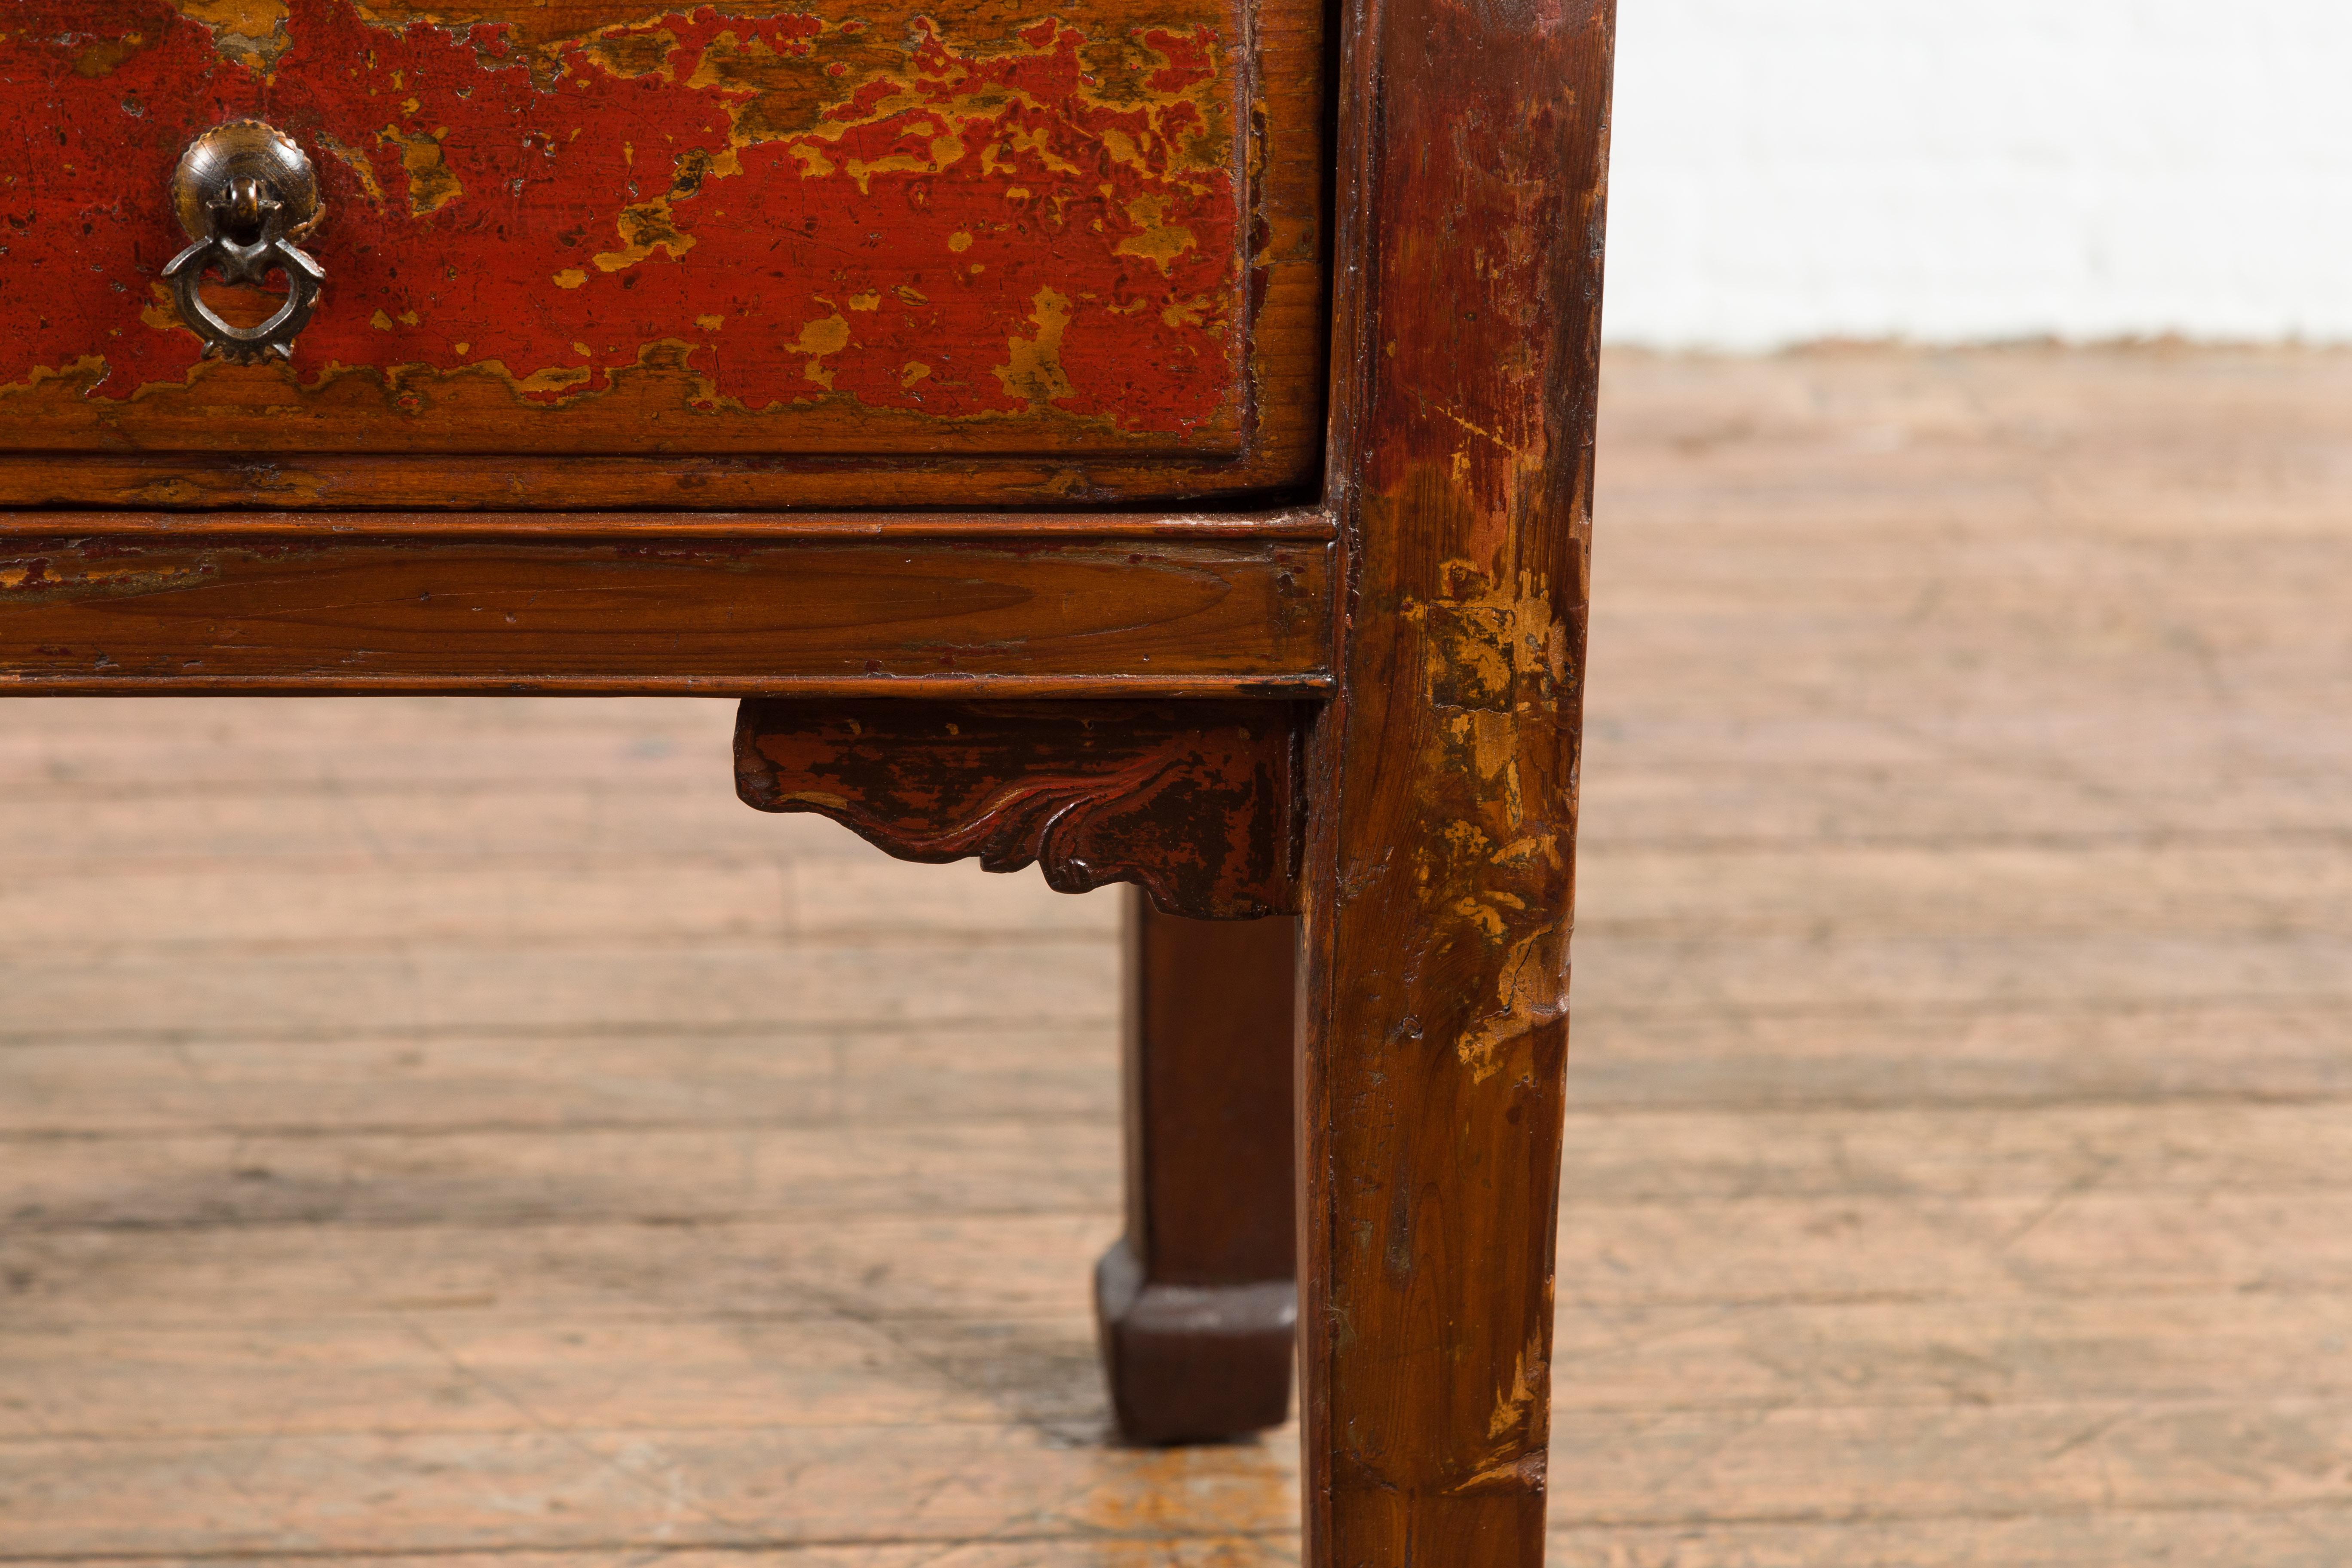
x,y
788,211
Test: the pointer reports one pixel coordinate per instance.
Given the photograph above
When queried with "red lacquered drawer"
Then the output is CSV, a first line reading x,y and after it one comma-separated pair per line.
x,y
579,254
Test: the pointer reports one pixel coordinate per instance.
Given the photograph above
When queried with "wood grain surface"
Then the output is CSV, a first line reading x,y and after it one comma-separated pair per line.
x,y
448,1134
747,229
1440,880
164,609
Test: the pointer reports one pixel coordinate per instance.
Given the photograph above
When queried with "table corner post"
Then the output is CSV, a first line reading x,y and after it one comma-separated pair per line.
x,y
1441,862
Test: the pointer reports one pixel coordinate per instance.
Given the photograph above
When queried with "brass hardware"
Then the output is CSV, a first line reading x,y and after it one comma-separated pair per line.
x,y
245,193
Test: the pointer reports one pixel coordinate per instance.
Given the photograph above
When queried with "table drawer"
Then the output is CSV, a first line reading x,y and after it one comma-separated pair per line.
x,y
783,253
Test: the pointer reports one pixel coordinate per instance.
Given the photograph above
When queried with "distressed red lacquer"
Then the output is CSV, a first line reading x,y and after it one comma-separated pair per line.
x,y
957,214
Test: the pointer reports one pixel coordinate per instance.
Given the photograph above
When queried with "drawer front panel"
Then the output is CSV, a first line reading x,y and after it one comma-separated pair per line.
x,y
828,227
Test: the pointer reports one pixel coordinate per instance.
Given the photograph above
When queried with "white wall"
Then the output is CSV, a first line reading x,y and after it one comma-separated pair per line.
x,y
1957,170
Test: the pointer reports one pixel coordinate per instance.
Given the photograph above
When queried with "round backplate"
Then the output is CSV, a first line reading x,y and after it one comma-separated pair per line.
x,y
245,150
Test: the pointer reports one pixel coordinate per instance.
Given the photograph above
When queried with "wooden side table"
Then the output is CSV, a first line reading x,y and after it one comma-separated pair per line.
x,y
1148,438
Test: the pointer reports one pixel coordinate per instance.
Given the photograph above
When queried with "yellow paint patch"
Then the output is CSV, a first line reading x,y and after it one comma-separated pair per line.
x,y
356,161
631,55
571,278
826,335
1160,242
250,32
1495,658
1519,851
90,369
1466,838
818,797
555,378
161,312
644,230
1528,1378
380,321
82,576
1192,312
431,184
1035,372
814,165
959,241
748,69
943,151
1479,915
727,50
1529,994
1482,641
912,372
1038,143
710,323
868,301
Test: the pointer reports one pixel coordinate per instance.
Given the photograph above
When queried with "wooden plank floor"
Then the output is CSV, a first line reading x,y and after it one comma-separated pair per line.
x,y
456,1133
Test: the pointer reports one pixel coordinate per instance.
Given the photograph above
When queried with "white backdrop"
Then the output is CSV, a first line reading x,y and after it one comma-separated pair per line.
x,y
1960,170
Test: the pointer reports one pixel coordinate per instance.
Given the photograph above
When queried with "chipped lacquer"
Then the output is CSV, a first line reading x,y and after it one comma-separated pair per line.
x,y
819,227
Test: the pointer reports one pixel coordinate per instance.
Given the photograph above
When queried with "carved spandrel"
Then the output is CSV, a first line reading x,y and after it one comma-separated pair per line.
x,y
1197,803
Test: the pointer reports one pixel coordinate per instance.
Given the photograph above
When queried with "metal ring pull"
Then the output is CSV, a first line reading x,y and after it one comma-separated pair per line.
x,y
245,193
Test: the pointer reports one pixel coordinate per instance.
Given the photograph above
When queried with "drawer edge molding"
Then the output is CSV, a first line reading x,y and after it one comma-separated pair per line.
x,y
1282,462
1301,523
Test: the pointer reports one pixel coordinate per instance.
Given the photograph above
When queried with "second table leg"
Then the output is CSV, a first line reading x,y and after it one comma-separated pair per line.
x,y
1196,1303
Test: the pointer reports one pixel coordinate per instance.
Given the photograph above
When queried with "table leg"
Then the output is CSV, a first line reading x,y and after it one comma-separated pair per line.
x,y
1443,777
1196,1303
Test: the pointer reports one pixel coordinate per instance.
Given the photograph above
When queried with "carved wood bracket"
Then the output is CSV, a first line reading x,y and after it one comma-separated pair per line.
x,y
1198,803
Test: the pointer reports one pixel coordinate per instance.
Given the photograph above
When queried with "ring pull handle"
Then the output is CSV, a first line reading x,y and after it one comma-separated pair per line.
x,y
245,193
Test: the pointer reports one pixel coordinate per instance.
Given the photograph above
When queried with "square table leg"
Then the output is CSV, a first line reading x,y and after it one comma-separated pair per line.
x,y
1442,782
1196,1303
